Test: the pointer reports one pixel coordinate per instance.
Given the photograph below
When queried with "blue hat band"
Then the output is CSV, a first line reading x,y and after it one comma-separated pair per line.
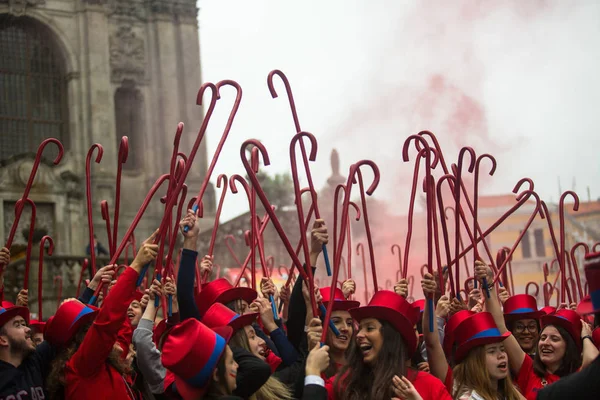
x,y
595,296
201,378
522,311
491,332
84,311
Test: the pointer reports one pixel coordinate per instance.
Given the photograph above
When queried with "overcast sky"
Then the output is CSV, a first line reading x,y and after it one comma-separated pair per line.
x,y
518,80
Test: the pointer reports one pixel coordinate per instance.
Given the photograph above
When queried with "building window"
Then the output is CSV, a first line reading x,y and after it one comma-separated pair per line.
x,y
526,246
128,117
540,247
33,88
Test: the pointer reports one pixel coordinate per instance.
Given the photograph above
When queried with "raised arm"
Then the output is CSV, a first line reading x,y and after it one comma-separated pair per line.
x,y
492,304
436,358
187,267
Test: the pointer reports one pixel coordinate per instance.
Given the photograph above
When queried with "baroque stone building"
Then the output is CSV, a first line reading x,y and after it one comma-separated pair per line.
x,y
92,71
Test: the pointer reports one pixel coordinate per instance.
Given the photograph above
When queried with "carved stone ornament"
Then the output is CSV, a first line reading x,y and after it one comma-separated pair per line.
x,y
127,56
18,7
135,9
15,174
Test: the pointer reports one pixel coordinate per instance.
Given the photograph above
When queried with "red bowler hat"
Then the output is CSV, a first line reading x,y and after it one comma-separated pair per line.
x,y
37,325
592,274
548,310
6,314
219,315
569,320
585,306
192,352
450,327
420,304
69,317
221,291
393,308
476,330
340,303
521,306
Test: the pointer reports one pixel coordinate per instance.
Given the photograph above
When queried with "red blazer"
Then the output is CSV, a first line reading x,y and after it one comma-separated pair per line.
x,y
88,374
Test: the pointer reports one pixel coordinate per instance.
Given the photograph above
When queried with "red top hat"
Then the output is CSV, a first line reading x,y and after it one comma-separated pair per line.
x,y
340,303
37,325
569,320
69,317
585,306
393,308
221,291
192,352
219,315
521,306
592,274
450,327
137,296
7,304
6,314
548,310
477,330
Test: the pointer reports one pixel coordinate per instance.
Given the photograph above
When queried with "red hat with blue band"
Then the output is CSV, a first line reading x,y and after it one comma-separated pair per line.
x,y
477,330
521,306
567,319
592,274
340,302
70,316
191,352
6,314
221,291
219,315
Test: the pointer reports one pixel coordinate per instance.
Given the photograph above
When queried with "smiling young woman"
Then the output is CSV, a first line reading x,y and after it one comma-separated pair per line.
x,y
379,358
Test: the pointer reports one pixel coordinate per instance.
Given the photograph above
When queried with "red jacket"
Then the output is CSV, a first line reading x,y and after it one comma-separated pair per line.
x,y
88,374
428,386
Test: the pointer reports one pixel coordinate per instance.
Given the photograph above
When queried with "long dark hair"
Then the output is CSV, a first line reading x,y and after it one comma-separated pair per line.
x,y
357,380
570,362
217,389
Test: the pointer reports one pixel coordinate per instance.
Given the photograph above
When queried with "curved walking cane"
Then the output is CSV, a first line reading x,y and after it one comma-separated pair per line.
x,y
269,209
29,240
339,189
299,245
84,267
435,233
253,235
243,266
500,259
399,251
123,153
365,215
460,240
457,206
106,218
548,290
299,137
595,247
535,285
461,213
168,267
233,112
132,226
562,255
344,225
34,168
521,200
537,210
221,181
429,164
442,209
470,280
49,251
58,279
305,157
475,207
360,251
576,266
88,195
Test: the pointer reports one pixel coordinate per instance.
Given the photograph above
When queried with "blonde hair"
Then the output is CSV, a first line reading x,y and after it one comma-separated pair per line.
x,y
273,389
472,374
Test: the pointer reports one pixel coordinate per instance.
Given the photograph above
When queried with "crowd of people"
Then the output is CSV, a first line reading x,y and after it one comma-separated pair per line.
x,y
224,342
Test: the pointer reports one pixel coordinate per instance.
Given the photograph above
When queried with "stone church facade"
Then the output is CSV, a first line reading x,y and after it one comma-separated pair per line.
x,y
85,72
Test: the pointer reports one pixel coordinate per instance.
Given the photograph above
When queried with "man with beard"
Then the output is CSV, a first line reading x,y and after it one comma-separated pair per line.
x,y
23,367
